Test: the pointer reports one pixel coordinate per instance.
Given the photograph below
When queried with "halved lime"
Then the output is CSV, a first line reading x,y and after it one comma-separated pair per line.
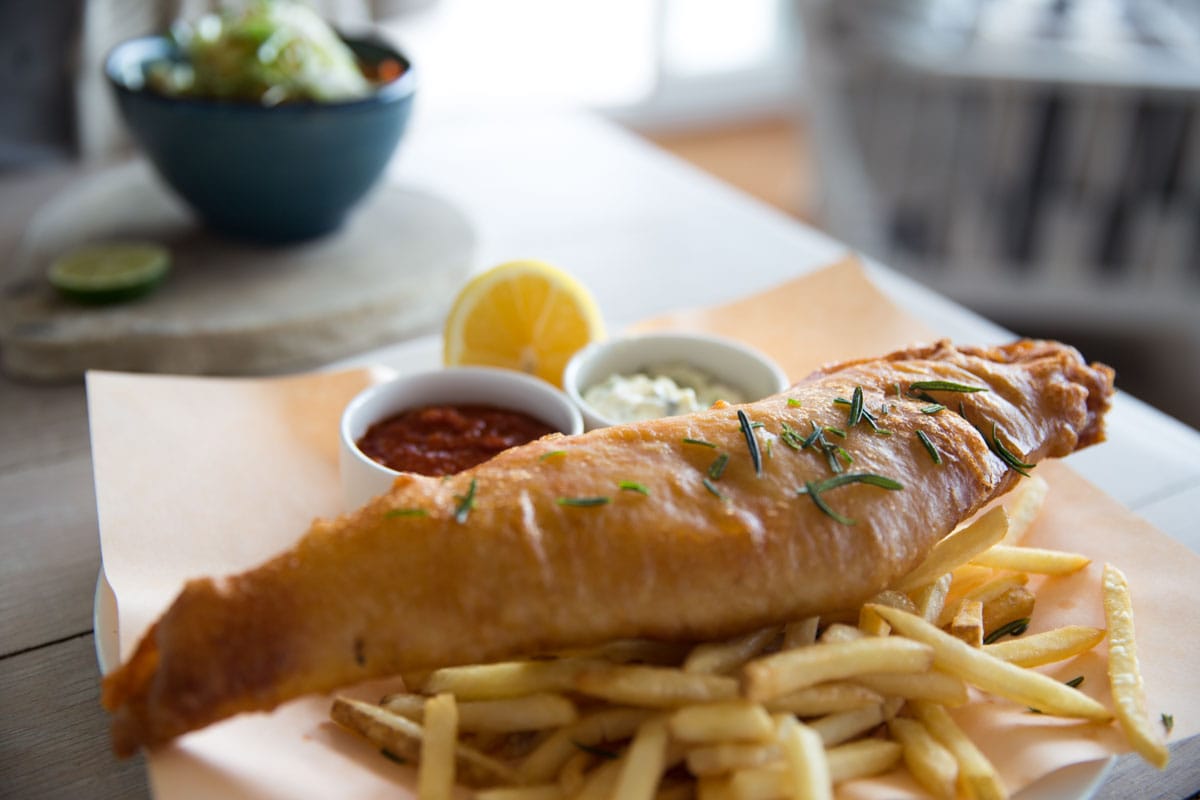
x,y
111,272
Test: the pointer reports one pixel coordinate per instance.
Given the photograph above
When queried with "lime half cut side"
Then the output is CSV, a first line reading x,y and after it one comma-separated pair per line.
x,y
109,273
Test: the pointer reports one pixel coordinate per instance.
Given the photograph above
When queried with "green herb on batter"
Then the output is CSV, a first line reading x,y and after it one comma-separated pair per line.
x,y
465,504
815,490
633,486
751,442
713,489
584,502
406,512
698,442
930,447
717,468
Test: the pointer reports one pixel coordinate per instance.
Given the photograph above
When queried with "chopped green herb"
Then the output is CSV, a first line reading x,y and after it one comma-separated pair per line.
x,y
465,504
856,408
813,437
388,754
406,512
1075,682
551,454
698,442
713,489
885,409
929,447
584,502
794,403
1014,628
835,431
757,425
633,486
1168,722
751,442
791,437
896,386
1007,456
944,386
717,468
599,752
814,489
933,408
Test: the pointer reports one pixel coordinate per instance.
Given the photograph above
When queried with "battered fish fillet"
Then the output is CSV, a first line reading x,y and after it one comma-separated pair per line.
x,y
629,531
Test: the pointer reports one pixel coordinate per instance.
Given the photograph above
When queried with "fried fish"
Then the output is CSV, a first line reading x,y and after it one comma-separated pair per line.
x,y
683,528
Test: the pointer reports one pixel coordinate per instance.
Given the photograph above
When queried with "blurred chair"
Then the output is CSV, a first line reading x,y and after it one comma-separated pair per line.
x,y
1033,160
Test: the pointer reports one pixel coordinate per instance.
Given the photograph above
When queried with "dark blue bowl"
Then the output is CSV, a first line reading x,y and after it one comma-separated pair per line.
x,y
277,174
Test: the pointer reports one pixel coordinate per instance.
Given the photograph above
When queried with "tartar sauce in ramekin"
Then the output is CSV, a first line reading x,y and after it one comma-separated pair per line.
x,y
660,391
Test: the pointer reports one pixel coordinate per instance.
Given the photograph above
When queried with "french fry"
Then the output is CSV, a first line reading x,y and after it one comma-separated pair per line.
x,y
600,782
654,687
1032,559
1024,504
843,726
800,633
506,679
571,776
840,632
548,791
720,759
715,787
789,670
530,713
729,655
643,764
732,721
1016,603
401,737
958,548
808,767
930,763
676,789
934,685
1124,673
435,771
931,598
862,759
827,698
985,593
1036,649
967,625
992,675
975,773
871,623
606,725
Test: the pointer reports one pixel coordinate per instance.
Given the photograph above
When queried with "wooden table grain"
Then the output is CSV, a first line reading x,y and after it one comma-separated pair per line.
x,y
561,186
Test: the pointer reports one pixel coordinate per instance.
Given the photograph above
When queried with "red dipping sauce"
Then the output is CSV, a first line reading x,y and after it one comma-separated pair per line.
x,y
442,440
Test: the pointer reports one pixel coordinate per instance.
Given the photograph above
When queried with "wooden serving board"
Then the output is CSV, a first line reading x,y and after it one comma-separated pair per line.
x,y
231,307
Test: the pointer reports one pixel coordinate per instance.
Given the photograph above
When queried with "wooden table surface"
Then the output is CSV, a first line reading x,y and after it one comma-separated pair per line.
x,y
559,186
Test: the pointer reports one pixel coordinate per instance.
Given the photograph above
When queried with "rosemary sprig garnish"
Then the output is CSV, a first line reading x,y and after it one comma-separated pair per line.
x,y
831,452
791,437
389,755
698,442
751,442
1075,682
841,434
633,486
1014,628
816,435
551,454
599,752
863,415
856,407
717,468
757,425
712,489
896,386
465,504
1168,722
933,408
406,512
815,489
584,502
1007,456
944,386
929,447
794,403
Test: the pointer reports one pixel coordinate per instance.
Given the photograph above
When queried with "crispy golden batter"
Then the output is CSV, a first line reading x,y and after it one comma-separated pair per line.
x,y
522,569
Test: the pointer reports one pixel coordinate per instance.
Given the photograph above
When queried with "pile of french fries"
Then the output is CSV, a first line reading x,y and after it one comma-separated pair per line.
x,y
783,712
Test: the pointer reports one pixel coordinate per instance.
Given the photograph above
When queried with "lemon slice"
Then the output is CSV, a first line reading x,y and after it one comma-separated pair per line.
x,y
523,315
109,273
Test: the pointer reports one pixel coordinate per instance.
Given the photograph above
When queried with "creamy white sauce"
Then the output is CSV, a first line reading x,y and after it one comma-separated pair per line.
x,y
660,391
